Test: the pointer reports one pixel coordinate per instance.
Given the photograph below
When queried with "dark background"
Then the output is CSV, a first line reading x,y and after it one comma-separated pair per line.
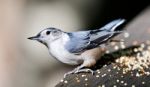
x,y
127,9
97,14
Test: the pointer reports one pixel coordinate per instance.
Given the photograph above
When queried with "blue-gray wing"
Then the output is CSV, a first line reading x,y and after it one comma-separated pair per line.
x,y
84,40
78,41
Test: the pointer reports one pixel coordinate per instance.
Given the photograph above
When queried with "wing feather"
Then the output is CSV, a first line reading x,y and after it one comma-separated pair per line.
x,y
81,41
78,41
84,40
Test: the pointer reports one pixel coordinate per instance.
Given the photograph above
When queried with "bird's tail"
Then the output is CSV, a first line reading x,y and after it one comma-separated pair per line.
x,y
113,25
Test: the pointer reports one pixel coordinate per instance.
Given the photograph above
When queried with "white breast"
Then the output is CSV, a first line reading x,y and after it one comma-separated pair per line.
x,y
59,52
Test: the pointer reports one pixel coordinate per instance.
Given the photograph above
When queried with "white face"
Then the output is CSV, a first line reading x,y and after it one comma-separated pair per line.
x,y
48,35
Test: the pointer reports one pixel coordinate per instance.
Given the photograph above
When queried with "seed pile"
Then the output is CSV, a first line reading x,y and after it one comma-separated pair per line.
x,y
138,62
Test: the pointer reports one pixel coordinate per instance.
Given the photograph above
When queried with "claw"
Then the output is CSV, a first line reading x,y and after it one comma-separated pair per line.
x,y
70,72
66,74
76,70
85,70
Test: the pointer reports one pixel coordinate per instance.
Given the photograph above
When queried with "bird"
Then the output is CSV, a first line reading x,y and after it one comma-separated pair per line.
x,y
81,48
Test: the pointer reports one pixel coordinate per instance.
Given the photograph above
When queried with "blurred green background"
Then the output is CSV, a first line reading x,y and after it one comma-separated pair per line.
x,y
25,63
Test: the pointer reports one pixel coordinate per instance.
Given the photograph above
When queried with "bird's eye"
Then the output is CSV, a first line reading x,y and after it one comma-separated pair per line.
x,y
47,32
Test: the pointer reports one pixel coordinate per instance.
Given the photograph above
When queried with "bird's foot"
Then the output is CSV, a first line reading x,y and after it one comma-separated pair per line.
x,y
85,70
78,70
68,73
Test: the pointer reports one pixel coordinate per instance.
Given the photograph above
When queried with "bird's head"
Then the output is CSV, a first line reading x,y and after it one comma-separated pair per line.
x,y
47,35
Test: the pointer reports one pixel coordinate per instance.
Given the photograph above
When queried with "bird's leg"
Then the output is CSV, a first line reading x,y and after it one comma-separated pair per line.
x,y
70,72
83,68
78,70
89,59
73,71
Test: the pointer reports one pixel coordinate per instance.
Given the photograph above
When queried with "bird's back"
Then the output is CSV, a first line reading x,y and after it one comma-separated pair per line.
x,y
85,40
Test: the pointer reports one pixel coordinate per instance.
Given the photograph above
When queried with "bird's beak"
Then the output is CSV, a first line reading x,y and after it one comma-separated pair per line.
x,y
34,38
37,38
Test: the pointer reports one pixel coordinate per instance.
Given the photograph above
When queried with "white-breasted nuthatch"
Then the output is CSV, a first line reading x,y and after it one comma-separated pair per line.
x,y
78,48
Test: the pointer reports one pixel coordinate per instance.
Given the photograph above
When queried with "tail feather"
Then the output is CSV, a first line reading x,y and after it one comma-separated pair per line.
x,y
113,25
